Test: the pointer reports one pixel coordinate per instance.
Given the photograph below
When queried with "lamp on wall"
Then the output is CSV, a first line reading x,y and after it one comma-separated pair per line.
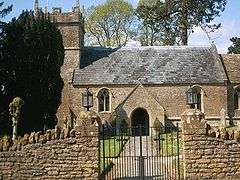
x,y
191,97
87,99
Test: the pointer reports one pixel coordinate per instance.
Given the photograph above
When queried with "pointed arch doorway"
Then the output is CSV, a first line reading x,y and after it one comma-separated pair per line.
x,y
140,122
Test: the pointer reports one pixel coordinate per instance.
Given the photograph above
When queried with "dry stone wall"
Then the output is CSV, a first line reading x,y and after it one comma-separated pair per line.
x,y
58,154
207,153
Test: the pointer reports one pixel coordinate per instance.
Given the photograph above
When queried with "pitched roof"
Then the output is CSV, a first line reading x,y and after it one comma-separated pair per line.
x,y
151,65
232,64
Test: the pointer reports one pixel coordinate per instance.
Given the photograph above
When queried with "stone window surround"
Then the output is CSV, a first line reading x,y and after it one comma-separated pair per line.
x,y
110,100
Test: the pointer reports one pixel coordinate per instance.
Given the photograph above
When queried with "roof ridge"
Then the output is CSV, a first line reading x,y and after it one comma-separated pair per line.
x,y
165,47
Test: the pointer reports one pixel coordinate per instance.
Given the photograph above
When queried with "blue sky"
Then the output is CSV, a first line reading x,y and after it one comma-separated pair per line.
x,y
230,19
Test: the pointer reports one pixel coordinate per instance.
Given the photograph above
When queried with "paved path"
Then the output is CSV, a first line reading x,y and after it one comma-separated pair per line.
x,y
153,166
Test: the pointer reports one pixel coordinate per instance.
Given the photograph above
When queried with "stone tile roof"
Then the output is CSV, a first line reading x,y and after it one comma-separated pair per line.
x,y
232,64
150,65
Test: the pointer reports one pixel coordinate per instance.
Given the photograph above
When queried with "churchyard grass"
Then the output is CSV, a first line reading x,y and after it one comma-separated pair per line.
x,y
111,147
167,144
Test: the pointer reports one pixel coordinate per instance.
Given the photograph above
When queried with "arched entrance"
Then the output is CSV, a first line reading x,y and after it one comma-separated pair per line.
x,y
140,122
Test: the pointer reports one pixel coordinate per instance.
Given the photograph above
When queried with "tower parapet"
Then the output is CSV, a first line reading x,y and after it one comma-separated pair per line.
x,y
71,25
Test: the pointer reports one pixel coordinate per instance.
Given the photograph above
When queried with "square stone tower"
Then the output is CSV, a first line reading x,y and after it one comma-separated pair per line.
x,y
71,26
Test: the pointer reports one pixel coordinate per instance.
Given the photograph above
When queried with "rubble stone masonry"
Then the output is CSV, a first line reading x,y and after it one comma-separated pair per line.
x,y
209,154
172,98
57,154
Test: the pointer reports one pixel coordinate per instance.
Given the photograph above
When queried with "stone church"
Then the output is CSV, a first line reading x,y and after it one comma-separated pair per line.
x,y
142,85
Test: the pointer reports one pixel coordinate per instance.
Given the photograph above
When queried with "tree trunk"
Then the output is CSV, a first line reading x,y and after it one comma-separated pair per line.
x,y
184,23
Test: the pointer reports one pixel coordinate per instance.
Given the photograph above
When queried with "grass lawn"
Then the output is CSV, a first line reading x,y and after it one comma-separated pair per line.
x,y
168,145
110,148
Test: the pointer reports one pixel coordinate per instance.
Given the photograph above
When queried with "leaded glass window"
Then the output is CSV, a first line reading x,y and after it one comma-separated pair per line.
x,y
103,100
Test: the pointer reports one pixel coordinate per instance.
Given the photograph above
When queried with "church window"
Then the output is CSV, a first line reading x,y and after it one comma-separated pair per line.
x,y
103,100
198,91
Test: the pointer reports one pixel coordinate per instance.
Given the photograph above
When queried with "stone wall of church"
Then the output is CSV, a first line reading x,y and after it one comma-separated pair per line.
x,y
171,98
71,61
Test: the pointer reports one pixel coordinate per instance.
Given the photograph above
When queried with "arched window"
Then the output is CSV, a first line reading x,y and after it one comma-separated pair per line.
x,y
103,100
198,92
237,98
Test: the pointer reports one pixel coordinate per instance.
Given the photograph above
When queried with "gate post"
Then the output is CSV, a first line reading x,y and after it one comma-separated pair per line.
x,y
193,125
87,131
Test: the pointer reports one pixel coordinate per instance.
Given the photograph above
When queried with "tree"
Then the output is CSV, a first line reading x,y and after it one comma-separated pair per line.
x,y
183,15
235,47
4,125
110,23
4,11
33,54
155,26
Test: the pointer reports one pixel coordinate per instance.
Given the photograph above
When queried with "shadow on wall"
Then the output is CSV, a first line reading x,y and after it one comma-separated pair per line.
x,y
120,120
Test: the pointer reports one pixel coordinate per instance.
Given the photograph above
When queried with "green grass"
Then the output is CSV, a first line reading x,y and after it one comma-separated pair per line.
x,y
111,147
167,144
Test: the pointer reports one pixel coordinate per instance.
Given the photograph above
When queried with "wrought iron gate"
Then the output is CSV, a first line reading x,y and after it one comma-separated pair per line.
x,y
140,153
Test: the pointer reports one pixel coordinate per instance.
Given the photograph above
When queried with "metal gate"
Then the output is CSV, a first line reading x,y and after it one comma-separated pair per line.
x,y
140,153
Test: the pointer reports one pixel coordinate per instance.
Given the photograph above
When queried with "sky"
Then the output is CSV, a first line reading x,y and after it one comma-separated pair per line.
x,y
230,19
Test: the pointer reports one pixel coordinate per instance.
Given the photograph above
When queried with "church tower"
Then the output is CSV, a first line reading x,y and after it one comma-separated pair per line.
x,y
71,26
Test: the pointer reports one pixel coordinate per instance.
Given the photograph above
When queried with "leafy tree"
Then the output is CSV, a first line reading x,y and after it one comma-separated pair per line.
x,y
235,47
183,15
156,27
4,11
33,54
110,23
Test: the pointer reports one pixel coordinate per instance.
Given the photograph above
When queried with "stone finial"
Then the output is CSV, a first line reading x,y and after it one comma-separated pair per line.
x,y
87,123
192,115
193,122
88,118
